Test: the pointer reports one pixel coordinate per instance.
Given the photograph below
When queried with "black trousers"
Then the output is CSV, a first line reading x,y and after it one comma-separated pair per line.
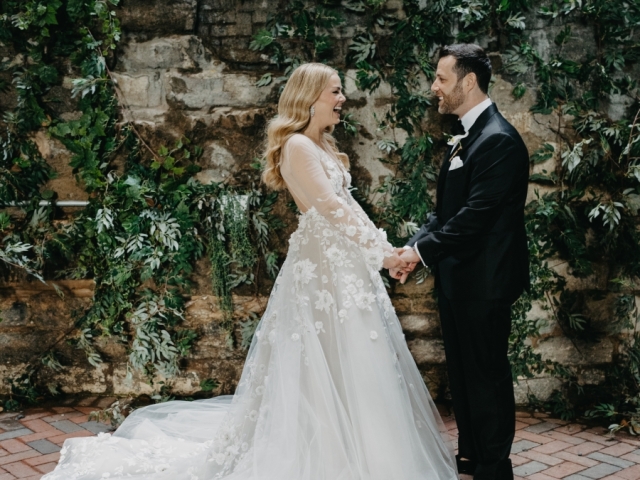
x,y
476,336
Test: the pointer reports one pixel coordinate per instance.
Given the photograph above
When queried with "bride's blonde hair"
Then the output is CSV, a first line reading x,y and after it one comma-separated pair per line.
x,y
301,91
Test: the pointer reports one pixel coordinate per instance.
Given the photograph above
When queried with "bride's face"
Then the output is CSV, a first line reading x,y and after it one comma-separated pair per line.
x,y
329,104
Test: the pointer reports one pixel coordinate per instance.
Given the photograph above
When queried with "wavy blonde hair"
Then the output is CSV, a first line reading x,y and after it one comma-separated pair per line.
x,y
301,91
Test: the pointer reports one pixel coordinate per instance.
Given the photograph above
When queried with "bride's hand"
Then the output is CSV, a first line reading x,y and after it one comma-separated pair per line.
x,y
394,262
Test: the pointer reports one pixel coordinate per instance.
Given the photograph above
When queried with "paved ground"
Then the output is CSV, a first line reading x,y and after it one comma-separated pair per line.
x,y
544,449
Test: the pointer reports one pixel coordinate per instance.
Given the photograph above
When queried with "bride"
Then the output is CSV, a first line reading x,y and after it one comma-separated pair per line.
x,y
329,390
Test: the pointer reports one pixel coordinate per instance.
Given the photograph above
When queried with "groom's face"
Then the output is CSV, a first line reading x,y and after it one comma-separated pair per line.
x,y
448,87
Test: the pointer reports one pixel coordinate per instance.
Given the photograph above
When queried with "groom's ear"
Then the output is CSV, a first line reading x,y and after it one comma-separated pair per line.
x,y
469,82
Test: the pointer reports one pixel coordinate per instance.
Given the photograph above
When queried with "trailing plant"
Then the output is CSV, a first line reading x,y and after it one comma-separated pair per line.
x,y
147,220
590,219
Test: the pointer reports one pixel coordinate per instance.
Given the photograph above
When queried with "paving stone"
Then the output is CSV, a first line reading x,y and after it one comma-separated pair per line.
x,y
38,425
522,446
541,476
14,434
580,460
533,437
13,446
530,420
40,435
16,457
67,426
631,457
96,427
529,469
20,470
576,477
631,473
517,460
563,437
618,462
600,471
553,447
564,470
35,461
585,448
571,429
61,438
10,422
47,467
593,437
618,450
541,427
541,457
44,446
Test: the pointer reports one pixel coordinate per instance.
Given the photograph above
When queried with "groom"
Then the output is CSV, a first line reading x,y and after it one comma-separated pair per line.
x,y
476,239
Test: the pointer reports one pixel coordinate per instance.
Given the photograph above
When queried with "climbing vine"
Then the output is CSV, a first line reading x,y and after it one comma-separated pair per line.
x,y
147,220
588,218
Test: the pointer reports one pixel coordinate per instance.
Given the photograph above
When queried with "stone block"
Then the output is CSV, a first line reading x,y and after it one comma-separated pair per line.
x,y
220,4
158,17
427,352
141,90
425,324
196,91
259,16
185,52
234,49
242,89
618,105
566,352
542,388
82,378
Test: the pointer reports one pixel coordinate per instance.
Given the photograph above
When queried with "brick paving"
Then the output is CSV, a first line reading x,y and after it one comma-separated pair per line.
x,y
544,448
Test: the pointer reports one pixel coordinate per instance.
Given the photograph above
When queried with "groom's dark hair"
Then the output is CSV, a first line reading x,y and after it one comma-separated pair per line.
x,y
470,58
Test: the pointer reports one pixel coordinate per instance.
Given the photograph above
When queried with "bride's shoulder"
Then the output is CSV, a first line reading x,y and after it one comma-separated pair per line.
x,y
300,145
299,140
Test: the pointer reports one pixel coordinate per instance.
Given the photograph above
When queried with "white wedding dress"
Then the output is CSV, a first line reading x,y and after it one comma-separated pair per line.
x,y
329,390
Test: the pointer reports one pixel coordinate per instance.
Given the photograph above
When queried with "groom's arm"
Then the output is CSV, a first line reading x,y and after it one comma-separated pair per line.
x,y
431,226
495,170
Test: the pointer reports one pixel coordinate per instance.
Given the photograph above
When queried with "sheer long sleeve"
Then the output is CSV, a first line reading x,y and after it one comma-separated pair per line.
x,y
313,187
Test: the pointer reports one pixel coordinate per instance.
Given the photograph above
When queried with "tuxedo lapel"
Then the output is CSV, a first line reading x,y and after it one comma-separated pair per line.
x,y
478,126
465,143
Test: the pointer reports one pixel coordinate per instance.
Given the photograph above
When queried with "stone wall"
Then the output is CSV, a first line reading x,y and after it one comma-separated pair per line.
x,y
185,68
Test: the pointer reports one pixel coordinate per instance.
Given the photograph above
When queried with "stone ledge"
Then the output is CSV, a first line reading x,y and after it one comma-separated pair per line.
x,y
26,290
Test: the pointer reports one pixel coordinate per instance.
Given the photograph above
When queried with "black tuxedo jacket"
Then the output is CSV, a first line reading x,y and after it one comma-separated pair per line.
x,y
476,236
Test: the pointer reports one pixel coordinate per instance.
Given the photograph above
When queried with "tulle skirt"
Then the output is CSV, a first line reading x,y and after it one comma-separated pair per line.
x,y
329,391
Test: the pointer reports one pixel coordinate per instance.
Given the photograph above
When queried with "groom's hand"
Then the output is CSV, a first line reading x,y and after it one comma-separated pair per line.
x,y
401,273
410,256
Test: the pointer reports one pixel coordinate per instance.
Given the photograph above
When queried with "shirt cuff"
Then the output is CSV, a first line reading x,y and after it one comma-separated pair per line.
x,y
415,249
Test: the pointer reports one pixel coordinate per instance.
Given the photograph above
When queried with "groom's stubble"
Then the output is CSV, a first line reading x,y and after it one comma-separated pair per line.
x,y
451,102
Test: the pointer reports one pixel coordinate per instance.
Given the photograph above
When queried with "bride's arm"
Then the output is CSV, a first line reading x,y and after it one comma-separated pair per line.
x,y
379,231
302,171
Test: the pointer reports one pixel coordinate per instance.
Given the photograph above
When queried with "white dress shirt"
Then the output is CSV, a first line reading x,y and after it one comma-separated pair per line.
x,y
467,121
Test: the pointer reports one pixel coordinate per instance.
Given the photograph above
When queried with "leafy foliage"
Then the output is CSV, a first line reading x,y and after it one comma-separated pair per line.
x,y
147,221
590,222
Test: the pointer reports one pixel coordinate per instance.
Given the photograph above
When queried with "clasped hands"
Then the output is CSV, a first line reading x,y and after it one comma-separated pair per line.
x,y
401,263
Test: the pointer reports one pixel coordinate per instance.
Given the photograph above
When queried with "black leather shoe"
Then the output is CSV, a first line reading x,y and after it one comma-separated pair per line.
x,y
498,471
465,466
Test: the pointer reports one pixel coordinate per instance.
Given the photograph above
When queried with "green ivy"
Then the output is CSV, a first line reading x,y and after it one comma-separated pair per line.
x,y
590,220
148,221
